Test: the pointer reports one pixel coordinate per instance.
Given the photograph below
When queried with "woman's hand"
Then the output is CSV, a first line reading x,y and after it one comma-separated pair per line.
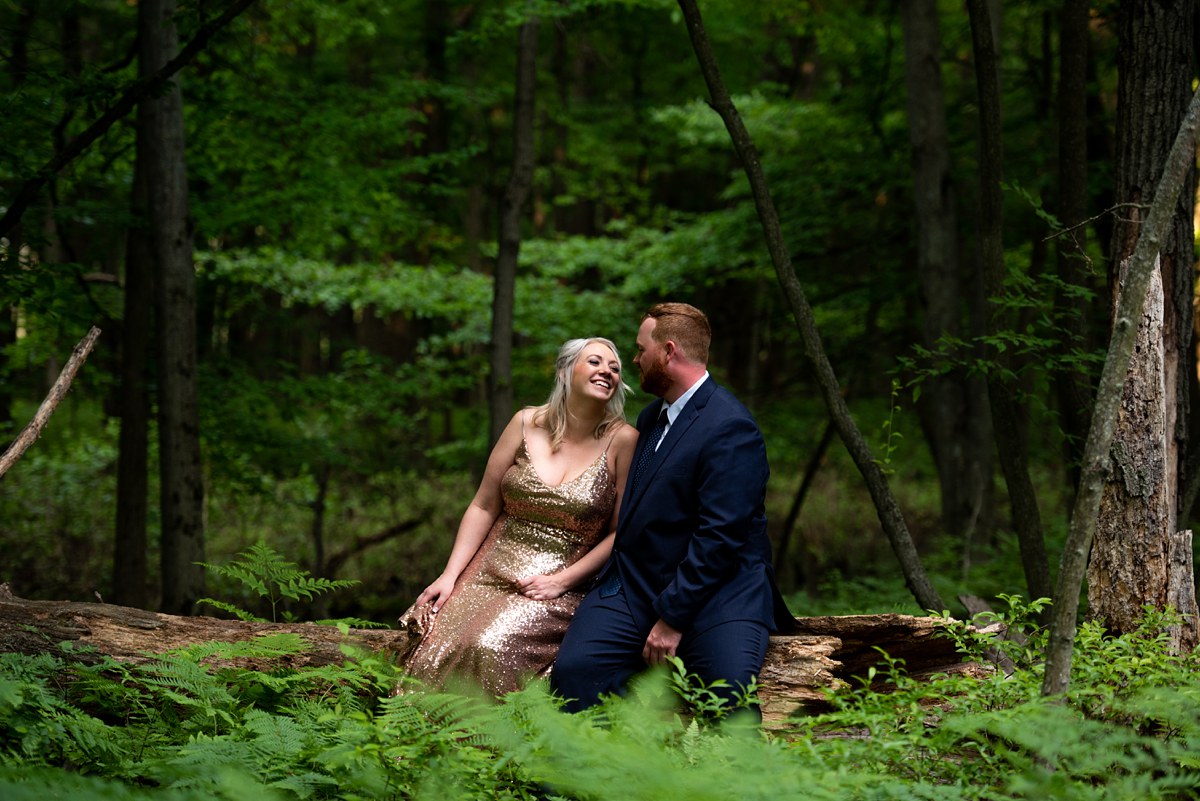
x,y
437,593
542,588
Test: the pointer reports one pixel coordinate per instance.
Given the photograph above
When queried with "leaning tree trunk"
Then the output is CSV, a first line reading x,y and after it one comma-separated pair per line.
x,y
519,181
952,407
182,485
1136,536
890,516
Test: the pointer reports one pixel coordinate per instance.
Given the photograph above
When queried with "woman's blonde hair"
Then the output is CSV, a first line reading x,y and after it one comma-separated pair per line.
x,y
552,415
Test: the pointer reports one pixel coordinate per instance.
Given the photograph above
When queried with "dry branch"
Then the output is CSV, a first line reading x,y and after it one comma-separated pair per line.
x,y
33,430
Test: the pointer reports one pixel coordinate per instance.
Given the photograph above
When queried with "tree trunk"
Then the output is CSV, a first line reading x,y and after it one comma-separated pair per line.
x,y
500,389
1073,387
182,484
950,406
130,547
1131,555
890,516
1011,442
1176,173
1139,510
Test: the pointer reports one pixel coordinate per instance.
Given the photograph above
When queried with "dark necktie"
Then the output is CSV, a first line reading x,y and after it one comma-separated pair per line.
x,y
651,442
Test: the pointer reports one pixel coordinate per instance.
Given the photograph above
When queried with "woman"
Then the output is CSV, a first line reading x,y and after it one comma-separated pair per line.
x,y
540,526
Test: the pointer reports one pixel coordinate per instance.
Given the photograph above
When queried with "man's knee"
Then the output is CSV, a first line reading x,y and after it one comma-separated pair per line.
x,y
732,652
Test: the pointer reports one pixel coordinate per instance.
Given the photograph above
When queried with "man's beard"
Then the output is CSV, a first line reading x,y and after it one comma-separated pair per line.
x,y
654,378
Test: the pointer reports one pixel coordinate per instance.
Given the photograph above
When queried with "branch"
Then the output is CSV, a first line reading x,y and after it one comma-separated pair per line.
x,y
1090,220
334,563
136,92
1142,263
33,430
890,516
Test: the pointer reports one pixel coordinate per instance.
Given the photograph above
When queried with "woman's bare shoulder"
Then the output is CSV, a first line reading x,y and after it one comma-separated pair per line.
x,y
625,436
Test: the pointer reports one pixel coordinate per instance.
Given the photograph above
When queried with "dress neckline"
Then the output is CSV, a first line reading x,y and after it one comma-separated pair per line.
x,y
533,469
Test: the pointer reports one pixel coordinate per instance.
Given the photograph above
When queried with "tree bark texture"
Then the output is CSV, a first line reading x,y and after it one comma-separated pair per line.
x,y
824,653
500,388
182,480
890,516
1176,174
1139,557
950,405
1139,508
1011,442
1132,550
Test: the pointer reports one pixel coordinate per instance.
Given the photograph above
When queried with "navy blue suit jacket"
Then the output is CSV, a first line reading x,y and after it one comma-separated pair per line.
x,y
691,544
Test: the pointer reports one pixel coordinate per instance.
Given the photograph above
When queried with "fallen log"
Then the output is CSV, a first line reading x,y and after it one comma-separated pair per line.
x,y
823,653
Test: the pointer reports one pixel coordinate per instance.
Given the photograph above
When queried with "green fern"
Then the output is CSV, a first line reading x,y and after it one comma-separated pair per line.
x,y
265,572
176,728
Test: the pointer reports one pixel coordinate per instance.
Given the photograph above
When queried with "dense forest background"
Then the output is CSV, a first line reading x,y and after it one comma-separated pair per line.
x,y
350,172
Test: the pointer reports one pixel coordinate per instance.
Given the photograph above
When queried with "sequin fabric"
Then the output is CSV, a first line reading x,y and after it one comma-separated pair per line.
x,y
487,631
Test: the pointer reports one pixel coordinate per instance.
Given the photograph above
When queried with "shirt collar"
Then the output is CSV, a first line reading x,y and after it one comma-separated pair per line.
x,y
673,409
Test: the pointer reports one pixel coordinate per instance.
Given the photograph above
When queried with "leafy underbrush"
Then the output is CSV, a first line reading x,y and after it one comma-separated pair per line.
x,y
177,728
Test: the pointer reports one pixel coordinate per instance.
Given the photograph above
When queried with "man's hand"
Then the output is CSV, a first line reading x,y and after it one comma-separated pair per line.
x,y
661,643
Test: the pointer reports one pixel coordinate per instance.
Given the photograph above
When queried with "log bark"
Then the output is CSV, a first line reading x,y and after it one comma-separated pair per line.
x,y
823,653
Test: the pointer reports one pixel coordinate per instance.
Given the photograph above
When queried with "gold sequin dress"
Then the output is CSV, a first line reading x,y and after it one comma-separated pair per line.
x,y
487,631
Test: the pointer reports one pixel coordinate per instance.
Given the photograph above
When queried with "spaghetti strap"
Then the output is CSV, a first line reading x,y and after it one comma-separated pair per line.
x,y
611,437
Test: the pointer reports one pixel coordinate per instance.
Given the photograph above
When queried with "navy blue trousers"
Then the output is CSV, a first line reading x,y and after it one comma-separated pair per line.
x,y
603,650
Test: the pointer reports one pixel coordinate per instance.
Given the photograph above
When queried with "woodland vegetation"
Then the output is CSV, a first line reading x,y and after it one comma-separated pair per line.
x,y
947,249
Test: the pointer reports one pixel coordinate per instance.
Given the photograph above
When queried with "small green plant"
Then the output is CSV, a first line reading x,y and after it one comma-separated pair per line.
x,y
1013,634
704,699
892,437
270,576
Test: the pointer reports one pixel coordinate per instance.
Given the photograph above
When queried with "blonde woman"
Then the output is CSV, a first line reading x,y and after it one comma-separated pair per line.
x,y
539,528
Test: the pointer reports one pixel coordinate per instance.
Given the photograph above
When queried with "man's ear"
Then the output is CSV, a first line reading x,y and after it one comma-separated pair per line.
x,y
670,349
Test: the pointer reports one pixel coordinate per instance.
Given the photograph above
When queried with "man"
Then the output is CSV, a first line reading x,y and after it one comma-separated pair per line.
x,y
690,573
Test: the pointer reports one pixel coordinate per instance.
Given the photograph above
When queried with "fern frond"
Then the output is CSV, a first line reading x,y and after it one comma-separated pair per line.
x,y
236,611
307,586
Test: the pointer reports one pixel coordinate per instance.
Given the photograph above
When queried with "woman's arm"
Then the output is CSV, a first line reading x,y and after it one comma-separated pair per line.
x,y
481,514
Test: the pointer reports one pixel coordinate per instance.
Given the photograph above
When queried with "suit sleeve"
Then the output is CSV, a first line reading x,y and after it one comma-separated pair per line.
x,y
732,480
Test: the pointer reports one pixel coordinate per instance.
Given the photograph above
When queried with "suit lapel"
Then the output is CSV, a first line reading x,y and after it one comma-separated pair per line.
x,y
675,434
